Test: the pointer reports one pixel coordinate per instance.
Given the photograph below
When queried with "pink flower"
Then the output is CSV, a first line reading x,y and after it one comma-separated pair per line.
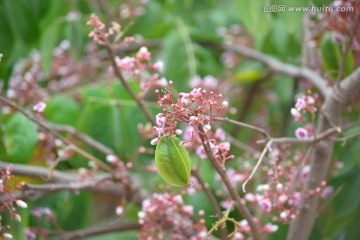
x,y
39,107
195,82
301,133
270,228
265,204
300,104
126,63
219,134
200,151
143,54
188,133
160,119
210,82
158,66
196,92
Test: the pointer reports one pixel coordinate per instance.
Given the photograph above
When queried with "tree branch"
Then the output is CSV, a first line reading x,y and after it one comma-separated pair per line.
x,y
234,195
282,68
96,231
212,200
330,116
83,137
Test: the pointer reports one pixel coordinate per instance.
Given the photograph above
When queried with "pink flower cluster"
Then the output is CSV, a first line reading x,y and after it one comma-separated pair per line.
x,y
304,105
219,146
24,82
8,200
100,35
244,229
208,82
165,216
197,108
141,69
41,214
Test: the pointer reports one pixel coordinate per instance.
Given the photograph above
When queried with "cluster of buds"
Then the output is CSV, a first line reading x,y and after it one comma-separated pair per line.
x,y
141,69
344,22
197,108
208,83
8,201
65,72
219,147
121,169
100,34
24,85
304,105
131,9
165,216
42,215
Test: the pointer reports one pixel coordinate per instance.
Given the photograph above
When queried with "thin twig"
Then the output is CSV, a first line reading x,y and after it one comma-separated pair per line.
x,y
245,125
241,145
234,195
266,149
83,137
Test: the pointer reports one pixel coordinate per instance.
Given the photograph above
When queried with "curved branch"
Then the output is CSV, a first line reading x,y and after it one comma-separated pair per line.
x,y
282,68
96,231
234,195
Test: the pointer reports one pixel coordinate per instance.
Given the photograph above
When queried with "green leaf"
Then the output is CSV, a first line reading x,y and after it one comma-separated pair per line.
x,y
180,58
62,110
172,161
255,20
49,40
20,138
292,19
331,55
101,120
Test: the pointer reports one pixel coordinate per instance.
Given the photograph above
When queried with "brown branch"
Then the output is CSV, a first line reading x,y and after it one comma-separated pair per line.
x,y
72,186
38,172
326,134
118,74
234,195
65,181
212,200
330,117
83,137
280,67
96,231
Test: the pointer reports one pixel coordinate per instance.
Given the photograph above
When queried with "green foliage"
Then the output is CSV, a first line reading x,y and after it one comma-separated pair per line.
x,y
106,112
62,110
20,138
